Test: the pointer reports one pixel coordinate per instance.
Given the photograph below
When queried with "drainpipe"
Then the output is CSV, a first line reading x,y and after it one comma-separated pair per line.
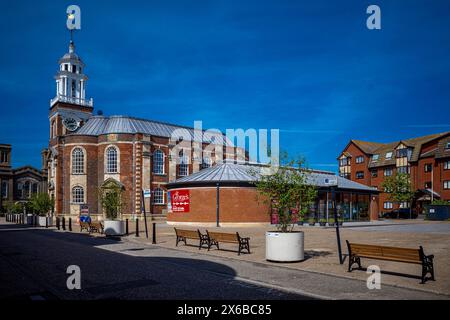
x,y
217,205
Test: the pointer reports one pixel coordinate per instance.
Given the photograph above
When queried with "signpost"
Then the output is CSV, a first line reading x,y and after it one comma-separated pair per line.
x,y
333,184
145,194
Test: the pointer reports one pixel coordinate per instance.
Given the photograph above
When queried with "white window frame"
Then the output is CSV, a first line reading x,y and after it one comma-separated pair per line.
x,y
388,205
158,196
76,196
78,161
447,185
359,159
389,155
206,163
158,163
183,167
447,165
110,166
388,170
375,157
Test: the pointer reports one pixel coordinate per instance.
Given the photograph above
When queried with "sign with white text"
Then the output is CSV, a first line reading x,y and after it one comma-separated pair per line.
x,y
180,200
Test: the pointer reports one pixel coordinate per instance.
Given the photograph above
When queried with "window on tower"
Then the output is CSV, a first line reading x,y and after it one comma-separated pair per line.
x,y
66,67
74,86
74,69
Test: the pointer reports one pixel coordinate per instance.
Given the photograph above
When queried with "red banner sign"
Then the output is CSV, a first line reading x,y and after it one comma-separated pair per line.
x,y
180,200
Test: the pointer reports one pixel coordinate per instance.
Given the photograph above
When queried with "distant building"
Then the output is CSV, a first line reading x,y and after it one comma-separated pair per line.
x,y
426,159
21,183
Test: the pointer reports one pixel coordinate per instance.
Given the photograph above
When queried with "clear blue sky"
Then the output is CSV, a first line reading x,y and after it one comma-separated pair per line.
x,y
309,68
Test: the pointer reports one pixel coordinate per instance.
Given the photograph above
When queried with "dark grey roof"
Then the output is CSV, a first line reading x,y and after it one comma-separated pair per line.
x,y
246,173
98,125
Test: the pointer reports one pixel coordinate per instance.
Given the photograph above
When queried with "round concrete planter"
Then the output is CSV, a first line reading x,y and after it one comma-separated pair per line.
x,y
44,221
114,227
285,246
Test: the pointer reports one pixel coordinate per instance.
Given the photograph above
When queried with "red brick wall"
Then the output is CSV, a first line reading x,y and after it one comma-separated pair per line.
x,y
236,205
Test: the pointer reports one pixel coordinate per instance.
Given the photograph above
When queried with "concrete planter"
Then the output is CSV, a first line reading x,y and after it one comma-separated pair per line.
x,y
285,246
114,227
43,220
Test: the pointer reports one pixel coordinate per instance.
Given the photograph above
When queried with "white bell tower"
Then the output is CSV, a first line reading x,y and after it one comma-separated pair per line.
x,y
71,81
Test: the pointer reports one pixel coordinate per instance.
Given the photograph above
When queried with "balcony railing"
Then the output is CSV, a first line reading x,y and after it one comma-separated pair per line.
x,y
72,100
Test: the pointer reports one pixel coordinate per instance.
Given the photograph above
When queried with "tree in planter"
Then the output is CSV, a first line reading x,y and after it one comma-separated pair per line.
x,y
41,203
399,189
287,188
111,200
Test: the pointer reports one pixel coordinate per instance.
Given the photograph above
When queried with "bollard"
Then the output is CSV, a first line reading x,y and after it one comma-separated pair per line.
x,y
137,228
126,226
70,224
46,222
64,223
154,233
57,223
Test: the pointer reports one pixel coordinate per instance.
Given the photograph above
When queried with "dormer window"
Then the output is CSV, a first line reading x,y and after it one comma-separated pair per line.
x,y
447,146
388,155
375,157
402,153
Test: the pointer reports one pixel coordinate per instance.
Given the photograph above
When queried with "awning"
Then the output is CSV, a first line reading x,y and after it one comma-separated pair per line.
x,y
426,195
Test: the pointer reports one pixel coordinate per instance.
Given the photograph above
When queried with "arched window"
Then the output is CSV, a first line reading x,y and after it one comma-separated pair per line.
x,y
206,163
158,196
158,162
26,190
77,161
111,160
183,167
77,194
34,188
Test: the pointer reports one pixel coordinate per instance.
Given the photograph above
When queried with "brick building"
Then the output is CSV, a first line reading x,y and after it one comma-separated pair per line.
x,y
18,184
426,159
88,151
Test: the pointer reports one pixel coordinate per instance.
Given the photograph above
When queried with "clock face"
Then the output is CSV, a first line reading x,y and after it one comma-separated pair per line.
x,y
71,124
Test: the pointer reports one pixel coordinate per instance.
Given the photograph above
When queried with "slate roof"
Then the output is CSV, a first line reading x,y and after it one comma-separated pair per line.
x,y
99,125
246,173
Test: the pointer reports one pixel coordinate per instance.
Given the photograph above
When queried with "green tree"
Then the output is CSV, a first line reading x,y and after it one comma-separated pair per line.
x,y
285,188
111,199
399,188
41,203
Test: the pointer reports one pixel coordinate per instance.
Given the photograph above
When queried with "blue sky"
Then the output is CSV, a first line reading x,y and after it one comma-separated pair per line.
x,y
309,68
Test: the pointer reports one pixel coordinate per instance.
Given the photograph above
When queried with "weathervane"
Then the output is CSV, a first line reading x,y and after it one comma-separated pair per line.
x,y
73,19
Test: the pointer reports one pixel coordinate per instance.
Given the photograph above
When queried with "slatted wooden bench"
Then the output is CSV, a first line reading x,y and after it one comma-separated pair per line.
x,y
216,237
96,227
357,251
183,234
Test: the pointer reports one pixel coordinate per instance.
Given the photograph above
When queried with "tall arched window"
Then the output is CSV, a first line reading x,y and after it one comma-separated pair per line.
x,y
77,161
206,162
158,196
183,167
111,160
158,162
77,194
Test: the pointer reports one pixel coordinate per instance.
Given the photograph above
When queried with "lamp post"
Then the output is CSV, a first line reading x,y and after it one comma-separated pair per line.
x,y
338,236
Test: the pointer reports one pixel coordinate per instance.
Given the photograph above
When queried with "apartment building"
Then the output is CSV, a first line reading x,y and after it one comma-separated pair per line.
x,y
426,159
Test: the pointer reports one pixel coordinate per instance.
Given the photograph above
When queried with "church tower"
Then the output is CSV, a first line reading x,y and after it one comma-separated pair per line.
x,y
70,108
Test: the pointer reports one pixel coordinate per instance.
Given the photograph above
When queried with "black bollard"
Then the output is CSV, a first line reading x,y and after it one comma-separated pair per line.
x,y
154,233
57,223
126,226
137,228
70,224
46,222
64,223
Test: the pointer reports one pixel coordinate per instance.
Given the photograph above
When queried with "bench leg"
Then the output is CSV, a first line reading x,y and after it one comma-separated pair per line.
x,y
352,260
427,267
244,245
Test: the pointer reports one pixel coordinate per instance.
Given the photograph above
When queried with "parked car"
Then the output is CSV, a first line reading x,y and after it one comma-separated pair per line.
x,y
402,213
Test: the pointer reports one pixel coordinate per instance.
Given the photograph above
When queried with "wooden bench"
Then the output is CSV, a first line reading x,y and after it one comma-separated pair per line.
x,y
216,237
357,251
96,227
183,234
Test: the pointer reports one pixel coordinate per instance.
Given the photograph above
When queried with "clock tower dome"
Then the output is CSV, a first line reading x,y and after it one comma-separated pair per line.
x,y
70,108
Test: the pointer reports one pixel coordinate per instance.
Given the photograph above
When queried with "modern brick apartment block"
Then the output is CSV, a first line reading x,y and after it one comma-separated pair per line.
x,y
426,159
